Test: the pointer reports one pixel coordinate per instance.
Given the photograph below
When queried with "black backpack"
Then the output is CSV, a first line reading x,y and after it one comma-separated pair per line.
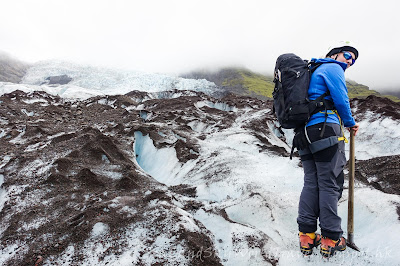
x,y
291,104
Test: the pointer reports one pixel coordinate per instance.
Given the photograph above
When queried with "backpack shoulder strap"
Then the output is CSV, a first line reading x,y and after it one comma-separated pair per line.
x,y
312,65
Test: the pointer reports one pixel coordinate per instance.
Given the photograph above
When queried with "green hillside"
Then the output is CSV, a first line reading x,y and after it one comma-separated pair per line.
x,y
238,81
358,90
361,91
248,83
256,84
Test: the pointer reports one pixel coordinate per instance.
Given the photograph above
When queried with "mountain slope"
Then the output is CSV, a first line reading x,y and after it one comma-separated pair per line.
x,y
11,69
239,81
248,83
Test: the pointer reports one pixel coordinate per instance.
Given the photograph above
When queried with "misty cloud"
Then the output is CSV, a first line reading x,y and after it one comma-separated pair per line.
x,y
177,36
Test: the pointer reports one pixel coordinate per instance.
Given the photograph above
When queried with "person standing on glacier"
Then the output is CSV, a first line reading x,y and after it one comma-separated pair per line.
x,y
324,160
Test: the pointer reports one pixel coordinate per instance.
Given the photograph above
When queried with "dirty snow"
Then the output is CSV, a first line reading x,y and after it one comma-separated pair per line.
x,y
260,194
257,191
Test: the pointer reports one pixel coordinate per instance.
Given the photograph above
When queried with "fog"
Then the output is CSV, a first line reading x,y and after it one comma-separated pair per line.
x,y
177,36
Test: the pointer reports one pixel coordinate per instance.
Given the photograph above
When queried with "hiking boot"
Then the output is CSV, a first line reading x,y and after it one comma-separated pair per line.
x,y
308,241
329,246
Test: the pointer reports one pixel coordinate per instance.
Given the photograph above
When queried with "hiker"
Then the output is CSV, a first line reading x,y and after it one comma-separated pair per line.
x,y
323,161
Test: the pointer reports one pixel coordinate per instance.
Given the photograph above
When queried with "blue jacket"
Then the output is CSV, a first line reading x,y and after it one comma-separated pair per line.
x,y
330,77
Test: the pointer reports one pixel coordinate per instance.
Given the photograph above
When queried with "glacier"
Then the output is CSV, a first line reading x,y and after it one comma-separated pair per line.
x,y
142,168
89,81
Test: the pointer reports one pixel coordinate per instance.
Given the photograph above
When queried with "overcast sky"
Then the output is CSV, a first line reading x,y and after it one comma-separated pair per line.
x,y
174,36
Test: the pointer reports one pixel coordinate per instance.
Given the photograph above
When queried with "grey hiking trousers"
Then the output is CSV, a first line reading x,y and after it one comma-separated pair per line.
x,y
323,184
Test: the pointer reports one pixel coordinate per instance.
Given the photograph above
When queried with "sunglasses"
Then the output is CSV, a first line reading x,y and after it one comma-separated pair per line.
x,y
348,56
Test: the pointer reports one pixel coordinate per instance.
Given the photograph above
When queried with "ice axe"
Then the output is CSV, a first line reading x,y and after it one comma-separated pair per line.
x,y
350,218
